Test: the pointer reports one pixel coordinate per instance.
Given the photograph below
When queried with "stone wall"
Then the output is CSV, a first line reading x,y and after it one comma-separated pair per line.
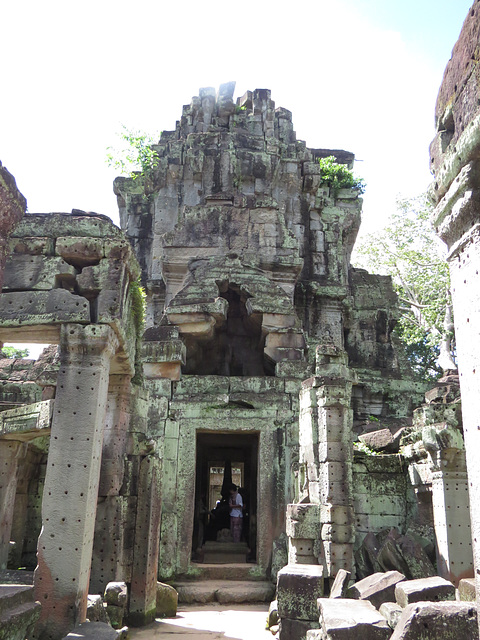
x,y
12,208
454,161
70,280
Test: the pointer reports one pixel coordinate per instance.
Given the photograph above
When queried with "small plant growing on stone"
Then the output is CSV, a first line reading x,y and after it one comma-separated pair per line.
x,y
136,157
363,448
339,176
139,305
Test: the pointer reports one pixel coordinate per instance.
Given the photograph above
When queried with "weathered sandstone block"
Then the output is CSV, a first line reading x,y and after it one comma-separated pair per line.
x,y
437,620
432,589
377,588
298,587
343,619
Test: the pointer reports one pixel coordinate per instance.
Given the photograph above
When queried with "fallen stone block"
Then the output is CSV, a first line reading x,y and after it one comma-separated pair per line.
x,y
466,590
437,620
298,588
405,554
340,584
377,588
391,611
390,557
295,629
425,589
344,619
115,615
417,560
363,565
371,546
116,593
95,610
377,440
167,601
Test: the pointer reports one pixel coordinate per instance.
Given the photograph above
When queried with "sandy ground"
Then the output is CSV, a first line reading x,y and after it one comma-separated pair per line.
x,y
210,622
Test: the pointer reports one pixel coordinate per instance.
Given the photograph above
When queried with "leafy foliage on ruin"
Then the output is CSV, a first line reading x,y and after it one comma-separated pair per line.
x,y
339,176
408,250
138,299
135,157
14,352
139,305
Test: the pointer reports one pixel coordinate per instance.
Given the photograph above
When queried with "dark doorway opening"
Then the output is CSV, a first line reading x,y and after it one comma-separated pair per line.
x,y
236,347
222,458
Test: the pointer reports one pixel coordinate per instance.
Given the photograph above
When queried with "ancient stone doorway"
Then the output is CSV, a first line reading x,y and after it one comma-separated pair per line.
x,y
221,459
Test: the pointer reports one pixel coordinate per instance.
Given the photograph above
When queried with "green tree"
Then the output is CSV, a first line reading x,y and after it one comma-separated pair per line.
x,y
135,156
408,250
13,352
339,176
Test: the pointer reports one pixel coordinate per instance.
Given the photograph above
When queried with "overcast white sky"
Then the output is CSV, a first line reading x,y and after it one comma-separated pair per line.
x,y
361,75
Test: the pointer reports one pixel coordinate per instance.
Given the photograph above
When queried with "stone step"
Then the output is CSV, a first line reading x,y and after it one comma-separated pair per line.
x,y
231,571
225,552
14,595
17,622
224,591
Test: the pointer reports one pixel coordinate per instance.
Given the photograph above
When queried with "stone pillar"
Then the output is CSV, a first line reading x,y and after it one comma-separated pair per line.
x,y
143,593
9,452
458,221
12,208
326,451
113,547
451,505
72,478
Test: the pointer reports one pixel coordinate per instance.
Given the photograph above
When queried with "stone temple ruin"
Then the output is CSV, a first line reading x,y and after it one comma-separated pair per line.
x,y
264,357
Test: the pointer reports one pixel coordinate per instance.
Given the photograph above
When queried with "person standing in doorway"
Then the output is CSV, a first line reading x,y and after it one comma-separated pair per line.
x,y
236,513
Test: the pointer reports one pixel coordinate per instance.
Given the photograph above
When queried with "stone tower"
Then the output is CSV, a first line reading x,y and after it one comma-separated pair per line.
x,y
245,253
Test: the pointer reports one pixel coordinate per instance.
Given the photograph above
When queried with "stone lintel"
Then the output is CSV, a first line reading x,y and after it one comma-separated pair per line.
x,y
171,351
23,308
27,422
323,381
